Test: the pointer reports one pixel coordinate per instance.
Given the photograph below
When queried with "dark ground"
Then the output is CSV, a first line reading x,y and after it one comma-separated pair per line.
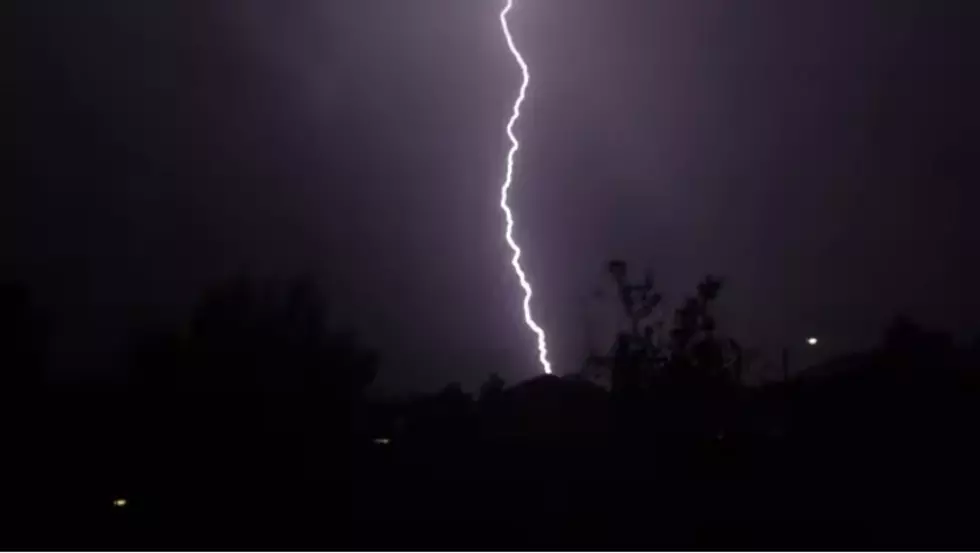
x,y
250,428
202,480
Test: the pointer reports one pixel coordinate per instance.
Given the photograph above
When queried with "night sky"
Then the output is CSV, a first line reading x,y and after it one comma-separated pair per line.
x,y
822,156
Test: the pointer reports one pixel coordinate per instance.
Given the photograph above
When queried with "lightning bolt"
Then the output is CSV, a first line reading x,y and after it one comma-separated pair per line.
x,y
509,235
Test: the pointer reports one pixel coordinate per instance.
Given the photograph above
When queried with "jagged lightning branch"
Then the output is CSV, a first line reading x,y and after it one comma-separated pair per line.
x,y
514,145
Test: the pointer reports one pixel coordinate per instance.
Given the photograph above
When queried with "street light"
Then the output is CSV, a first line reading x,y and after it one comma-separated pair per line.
x,y
811,341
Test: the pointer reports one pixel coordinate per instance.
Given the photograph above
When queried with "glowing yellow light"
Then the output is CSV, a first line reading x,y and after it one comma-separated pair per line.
x,y
119,502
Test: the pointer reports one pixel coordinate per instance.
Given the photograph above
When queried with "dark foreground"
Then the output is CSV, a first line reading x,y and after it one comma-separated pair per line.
x,y
203,476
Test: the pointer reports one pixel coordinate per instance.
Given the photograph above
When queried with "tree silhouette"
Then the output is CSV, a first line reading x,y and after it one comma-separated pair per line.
x,y
696,349
250,339
692,350
491,390
255,382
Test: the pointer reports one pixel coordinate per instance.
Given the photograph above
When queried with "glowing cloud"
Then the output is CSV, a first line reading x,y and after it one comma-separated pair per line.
x,y
509,234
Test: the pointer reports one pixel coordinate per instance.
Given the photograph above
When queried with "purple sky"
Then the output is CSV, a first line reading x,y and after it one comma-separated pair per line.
x,y
822,156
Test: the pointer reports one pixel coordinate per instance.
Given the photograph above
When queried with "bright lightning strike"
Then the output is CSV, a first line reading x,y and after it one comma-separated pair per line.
x,y
509,235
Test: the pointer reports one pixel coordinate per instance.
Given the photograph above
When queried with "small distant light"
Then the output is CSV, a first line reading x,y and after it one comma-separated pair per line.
x,y
119,502
812,341
382,441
